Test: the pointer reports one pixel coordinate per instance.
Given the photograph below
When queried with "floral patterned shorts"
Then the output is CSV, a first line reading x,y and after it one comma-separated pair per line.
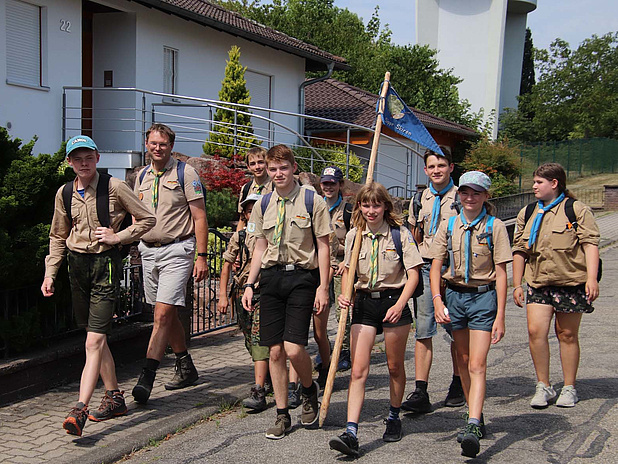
x,y
563,299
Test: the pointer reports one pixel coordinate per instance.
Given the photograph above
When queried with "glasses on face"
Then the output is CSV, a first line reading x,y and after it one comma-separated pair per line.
x,y
162,146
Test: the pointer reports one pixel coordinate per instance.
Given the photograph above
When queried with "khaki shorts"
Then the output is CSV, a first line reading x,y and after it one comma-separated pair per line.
x,y
167,270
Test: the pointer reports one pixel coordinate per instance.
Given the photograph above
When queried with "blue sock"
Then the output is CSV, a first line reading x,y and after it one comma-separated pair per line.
x,y
393,413
352,428
474,421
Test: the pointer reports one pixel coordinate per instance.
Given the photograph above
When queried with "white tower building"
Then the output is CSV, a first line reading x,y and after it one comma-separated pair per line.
x,y
483,42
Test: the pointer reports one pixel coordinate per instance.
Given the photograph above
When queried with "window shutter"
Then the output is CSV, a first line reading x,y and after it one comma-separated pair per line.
x,y
23,43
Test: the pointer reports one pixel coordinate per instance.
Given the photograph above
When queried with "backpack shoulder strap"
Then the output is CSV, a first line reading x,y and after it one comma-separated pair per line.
x,y
264,202
489,230
143,174
456,205
245,191
67,194
103,199
180,170
529,211
570,212
449,243
417,204
347,215
309,202
396,235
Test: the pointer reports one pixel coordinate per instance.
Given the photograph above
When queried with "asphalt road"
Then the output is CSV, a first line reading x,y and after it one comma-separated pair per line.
x,y
586,433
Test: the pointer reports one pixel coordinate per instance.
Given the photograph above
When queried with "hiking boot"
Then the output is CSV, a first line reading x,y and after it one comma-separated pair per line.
x,y
482,428
322,377
75,421
294,399
112,405
345,443
417,401
393,430
185,375
309,414
344,361
283,425
470,444
455,397
141,391
257,400
568,397
543,395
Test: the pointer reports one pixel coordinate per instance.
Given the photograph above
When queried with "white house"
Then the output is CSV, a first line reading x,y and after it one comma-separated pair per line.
x,y
483,42
52,49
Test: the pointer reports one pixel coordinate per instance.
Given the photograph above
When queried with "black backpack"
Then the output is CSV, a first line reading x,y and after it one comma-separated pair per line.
x,y
570,214
102,202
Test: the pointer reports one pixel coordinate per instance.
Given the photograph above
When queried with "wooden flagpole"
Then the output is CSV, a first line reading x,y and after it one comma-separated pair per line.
x,y
349,287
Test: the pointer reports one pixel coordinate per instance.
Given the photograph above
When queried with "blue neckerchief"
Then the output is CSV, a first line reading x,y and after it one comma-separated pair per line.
x,y
435,213
337,203
536,224
468,242
82,192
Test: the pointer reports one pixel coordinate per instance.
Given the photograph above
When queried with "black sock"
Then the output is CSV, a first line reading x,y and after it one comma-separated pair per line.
x,y
152,364
80,405
422,385
113,392
456,379
283,411
182,354
309,390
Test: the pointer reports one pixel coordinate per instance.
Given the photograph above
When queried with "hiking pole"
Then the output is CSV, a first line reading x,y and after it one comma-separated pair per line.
x,y
349,287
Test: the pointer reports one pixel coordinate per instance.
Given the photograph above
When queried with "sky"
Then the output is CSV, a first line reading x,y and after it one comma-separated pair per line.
x,y
571,20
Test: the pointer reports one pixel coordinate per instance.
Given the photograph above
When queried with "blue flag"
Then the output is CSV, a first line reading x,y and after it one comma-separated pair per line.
x,y
399,118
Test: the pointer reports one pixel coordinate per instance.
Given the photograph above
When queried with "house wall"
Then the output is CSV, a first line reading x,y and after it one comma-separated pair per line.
x,y
38,111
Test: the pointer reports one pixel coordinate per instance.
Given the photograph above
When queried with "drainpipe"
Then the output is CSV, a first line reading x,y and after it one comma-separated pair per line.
x,y
301,103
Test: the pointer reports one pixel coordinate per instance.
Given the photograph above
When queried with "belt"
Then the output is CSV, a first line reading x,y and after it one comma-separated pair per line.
x,y
159,244
479,289
379,294
286,268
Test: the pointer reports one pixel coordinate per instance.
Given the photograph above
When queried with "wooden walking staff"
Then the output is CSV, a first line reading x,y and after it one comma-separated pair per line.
x,y
349,288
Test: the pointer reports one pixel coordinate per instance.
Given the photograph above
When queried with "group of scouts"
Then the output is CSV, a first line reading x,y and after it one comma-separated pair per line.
x,y
290,258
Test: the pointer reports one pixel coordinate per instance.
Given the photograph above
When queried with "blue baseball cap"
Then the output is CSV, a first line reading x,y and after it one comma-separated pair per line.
x,y
476,180
80,141
331,174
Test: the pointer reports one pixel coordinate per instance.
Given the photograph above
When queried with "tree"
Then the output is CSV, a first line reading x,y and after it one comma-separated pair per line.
x,y
368,49
232,129
527,68
576,95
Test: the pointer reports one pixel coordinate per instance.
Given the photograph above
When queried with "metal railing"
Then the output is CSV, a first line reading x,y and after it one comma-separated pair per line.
x,y
119,118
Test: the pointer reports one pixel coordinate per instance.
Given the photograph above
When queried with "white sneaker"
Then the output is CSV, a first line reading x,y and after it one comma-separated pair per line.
x,y
542,396
568,397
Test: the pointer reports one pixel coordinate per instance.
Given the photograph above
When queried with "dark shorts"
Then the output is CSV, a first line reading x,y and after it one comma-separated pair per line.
x,y
286,305
95,283
371,311
563,299
475,311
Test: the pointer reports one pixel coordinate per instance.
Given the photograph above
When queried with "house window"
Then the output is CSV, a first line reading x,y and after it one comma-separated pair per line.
x,y
170,70
259,86
25,51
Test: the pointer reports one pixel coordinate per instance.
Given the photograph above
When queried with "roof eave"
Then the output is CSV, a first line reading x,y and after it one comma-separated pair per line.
x,y
313,63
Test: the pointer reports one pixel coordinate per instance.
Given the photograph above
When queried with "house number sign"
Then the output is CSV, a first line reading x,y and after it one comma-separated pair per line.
x,y
65,26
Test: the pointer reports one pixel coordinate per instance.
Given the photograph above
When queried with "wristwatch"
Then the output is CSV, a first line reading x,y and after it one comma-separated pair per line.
x,y
251,286
203,254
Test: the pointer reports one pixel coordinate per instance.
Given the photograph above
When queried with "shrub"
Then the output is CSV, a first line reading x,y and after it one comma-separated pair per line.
x,y
329,155
221,207
220,174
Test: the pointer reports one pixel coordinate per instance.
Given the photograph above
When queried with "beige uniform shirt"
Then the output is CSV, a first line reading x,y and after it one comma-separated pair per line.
x,y
173,215
233,251
391,273
338,225
257,189
482,264
446,212
557,257
79,236
296,246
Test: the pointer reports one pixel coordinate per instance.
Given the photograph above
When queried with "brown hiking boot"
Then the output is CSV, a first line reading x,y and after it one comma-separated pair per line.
x,y
112,405
309,414
74,423
185,375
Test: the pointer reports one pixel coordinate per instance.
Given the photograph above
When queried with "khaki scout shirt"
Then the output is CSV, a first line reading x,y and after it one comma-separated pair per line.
x,y
267,187
79,236
173,215
338,225
233,251
482,266
296,246
557,257
446,212
391,273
